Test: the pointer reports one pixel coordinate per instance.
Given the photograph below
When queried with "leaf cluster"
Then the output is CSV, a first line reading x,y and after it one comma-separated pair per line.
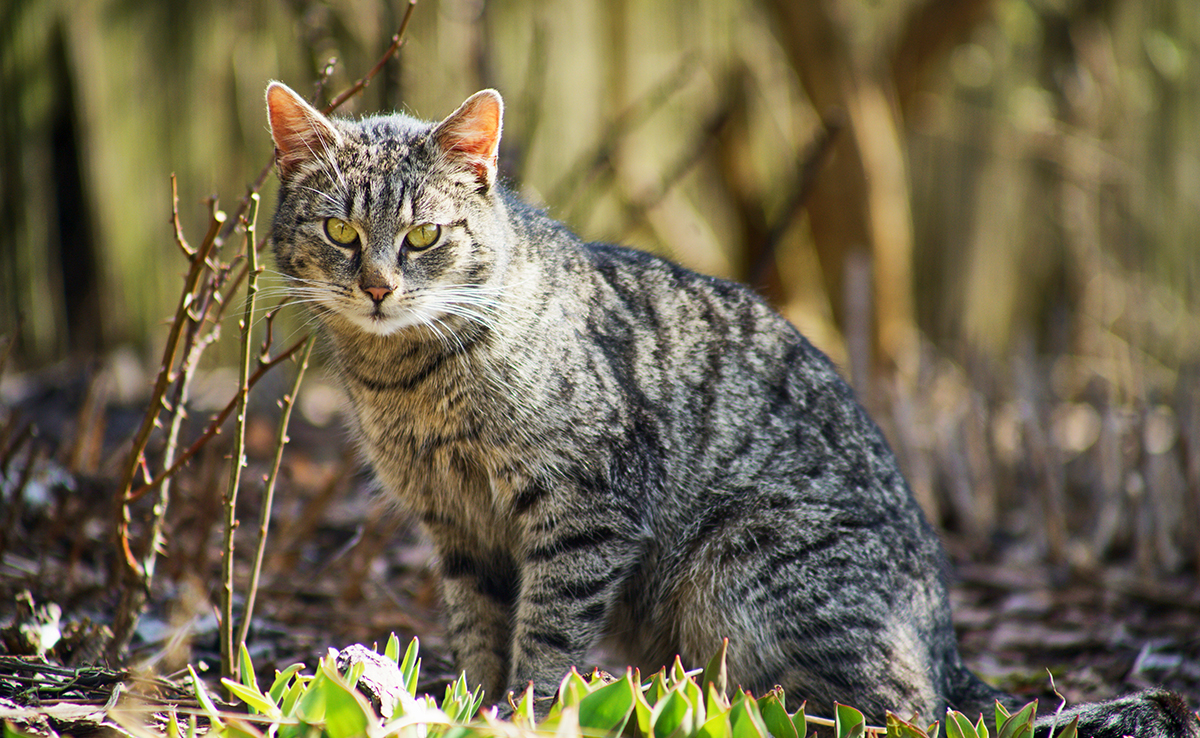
x,y
672,703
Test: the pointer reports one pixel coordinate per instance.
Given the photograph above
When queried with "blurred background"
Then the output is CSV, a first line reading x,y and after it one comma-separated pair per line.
x,y
986,211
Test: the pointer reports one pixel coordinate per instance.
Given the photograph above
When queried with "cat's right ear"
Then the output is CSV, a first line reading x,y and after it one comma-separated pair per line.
x,y
300,131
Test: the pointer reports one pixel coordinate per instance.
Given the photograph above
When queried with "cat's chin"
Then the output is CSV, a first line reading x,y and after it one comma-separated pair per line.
x,y
385,325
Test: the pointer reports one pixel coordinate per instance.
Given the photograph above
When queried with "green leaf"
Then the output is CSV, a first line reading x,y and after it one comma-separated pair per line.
x,y
1071,730
567,724
900,728
392,649
848,722
206,703
1002,714
671,714
354,673
254,699
246,668
775,715
1019,725
717,726
715,703
745,719
410,666
607,709
173,729
279,686
800,721
572,689
717,673
642,710
347,712
678,673
459,703
523,714
981,729
292,696
310,707
658,687
959,726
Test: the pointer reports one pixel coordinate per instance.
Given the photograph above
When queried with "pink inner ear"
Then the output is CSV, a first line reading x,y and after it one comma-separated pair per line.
x,y
472,133
300,132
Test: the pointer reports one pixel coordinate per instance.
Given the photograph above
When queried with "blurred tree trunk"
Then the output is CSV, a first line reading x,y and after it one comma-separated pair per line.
x,y
859,212
930,33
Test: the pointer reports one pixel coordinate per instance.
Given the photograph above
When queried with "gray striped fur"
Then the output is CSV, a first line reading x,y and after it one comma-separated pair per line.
x,y
602,445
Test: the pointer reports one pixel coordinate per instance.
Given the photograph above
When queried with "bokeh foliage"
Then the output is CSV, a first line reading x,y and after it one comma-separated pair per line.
x,y
1002,225
1048,162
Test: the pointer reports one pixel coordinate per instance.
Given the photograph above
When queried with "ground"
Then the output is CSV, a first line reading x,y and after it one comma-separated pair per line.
x,y
340,570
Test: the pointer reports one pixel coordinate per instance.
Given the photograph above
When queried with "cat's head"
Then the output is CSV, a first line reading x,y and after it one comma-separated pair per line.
x,y
388,222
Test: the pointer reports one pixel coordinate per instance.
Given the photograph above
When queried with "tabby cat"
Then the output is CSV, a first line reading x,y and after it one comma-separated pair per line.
x,y
605,447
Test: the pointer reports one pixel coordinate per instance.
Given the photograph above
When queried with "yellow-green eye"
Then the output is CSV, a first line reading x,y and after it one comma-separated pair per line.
x,y
340,232
423,236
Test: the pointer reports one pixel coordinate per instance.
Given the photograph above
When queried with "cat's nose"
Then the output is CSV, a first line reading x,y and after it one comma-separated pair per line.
x,y
378,293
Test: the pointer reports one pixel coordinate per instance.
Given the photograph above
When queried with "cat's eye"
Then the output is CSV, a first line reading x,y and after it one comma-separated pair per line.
x,y
340,232
422,236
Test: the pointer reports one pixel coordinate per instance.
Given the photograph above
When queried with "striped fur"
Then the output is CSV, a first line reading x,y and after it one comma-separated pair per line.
x,y
602,445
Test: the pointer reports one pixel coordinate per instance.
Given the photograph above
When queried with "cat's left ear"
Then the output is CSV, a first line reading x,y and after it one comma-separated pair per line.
x,y
471,135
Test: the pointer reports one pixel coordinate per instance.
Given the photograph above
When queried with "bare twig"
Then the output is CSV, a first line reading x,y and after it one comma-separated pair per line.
x,y
237,458
165,377
264,522
636,210
815,156
358,86
214,427
136,575
9,343
362,82
199,311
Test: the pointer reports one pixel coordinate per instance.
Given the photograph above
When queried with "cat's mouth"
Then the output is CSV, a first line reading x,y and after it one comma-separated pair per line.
x,y
379,320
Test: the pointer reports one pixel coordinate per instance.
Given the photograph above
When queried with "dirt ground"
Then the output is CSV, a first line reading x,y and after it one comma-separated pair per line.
x,y
340,570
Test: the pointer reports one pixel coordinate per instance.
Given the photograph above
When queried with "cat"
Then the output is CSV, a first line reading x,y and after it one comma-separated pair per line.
x,y
605,447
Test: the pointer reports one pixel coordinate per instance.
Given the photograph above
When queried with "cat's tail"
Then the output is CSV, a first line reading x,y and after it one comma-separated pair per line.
x,y
1149,714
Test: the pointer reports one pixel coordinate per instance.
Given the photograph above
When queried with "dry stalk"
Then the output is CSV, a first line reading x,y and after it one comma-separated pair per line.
x,y
362,82
264,521
134,575
238,454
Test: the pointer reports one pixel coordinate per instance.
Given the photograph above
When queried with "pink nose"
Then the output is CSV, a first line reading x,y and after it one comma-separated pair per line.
x,y
378,293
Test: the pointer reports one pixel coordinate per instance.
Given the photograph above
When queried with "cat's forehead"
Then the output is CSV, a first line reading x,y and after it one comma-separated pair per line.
x,y
394,132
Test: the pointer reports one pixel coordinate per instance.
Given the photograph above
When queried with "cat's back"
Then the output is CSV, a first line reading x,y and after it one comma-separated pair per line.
x,y
738,397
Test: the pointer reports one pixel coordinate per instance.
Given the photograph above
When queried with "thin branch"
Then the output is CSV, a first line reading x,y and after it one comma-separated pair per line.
x,y
815,157
165,377
360,85
180,240
264,522
253,189
237,458
214,427
636,210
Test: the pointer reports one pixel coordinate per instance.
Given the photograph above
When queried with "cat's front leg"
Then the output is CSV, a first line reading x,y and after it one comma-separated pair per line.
x,y
571,576
479,593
